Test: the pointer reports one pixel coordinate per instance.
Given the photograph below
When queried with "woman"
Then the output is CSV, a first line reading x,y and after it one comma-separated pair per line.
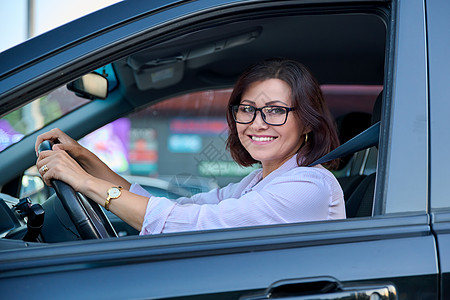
x,y
277,117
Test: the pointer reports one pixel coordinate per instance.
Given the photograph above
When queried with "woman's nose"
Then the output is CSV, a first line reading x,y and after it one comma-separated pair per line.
x,y
258,122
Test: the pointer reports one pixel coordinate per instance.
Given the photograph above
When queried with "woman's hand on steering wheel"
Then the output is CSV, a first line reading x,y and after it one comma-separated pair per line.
x,y
60,165
62,172
61,141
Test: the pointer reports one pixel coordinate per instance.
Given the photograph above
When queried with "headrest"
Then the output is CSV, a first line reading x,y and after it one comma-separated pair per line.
x,y
352,124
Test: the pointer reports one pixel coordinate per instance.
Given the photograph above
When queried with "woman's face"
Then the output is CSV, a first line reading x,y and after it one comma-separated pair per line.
x,y
271,145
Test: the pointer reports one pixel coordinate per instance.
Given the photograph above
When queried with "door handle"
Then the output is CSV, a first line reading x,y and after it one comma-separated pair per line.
x,y
324,288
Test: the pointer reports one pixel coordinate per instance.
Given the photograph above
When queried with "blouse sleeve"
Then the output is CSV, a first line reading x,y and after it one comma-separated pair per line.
x,y
136,188
286,199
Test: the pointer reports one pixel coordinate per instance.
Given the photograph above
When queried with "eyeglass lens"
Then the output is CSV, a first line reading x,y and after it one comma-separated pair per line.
x,y
272,115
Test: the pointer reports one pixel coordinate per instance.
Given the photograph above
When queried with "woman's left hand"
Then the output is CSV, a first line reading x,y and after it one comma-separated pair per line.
x,y
58,164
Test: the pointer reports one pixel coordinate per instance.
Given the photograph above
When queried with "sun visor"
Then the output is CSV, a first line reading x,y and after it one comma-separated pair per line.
x,y
159,77
162,66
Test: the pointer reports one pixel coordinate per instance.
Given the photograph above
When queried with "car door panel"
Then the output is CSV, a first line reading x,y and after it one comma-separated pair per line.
x,y
227,263
441,227
439,82
404,115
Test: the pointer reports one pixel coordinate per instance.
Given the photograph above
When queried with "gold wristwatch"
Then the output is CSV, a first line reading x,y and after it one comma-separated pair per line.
x,y
113,193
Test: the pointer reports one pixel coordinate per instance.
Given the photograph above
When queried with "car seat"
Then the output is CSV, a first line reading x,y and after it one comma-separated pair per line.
x,y
349,126
360,202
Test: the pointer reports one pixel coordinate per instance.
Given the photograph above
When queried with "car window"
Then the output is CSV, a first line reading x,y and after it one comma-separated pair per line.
x,y
180,141
37,114
177,147
149,146
44,110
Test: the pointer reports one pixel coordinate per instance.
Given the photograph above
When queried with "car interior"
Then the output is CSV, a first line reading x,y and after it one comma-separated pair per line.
x,y
344,49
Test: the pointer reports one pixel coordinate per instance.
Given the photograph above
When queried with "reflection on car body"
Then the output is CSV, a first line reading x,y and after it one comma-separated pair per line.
x,y
174,186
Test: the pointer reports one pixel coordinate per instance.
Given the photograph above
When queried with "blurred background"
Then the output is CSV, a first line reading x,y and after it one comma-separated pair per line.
x,y
23,19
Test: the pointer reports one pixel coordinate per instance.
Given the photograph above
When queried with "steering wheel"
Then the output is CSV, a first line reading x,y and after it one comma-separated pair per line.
x,y
88,217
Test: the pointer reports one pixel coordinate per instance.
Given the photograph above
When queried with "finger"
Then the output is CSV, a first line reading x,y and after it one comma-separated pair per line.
x,y
52,135
64,147
48,153
47,177
52,158
60,166
51,166
43,155
55,135
43,160
72,147
43,167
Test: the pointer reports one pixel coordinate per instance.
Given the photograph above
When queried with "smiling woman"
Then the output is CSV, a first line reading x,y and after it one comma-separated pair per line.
x,y
272,138
284,190
289,84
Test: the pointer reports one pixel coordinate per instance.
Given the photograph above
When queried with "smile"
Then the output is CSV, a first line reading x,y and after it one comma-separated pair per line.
x,y
262,138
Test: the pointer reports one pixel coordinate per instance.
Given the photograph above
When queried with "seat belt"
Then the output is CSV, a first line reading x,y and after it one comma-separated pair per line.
x,y
364,140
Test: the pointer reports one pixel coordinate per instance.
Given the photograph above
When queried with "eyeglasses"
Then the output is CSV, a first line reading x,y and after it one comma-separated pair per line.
x,y
272,115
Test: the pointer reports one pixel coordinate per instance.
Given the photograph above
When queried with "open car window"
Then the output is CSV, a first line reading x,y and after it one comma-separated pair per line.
x,y
174,141
177,147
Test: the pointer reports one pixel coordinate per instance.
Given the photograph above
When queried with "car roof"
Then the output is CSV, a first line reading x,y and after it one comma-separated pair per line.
x,y
77,30
339,48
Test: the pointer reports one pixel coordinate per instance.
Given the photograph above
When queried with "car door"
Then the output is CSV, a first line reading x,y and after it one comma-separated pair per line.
x,y
391,254
439,64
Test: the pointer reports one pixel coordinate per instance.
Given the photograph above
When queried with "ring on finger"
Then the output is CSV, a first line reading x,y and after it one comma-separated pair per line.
x,y
44,169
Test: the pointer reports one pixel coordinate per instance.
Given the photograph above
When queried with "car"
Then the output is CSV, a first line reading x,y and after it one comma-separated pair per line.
x,y
165,70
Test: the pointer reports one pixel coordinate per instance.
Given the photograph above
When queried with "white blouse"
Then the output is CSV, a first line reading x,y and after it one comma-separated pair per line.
x,y
289,194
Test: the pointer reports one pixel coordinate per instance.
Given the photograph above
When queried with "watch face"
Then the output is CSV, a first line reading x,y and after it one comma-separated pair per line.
x,y
114,192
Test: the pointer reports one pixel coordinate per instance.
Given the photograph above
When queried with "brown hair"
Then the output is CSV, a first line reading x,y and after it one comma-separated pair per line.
x,y
310,109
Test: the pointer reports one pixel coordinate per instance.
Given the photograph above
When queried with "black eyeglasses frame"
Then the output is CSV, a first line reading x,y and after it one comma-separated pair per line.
x,y
235,107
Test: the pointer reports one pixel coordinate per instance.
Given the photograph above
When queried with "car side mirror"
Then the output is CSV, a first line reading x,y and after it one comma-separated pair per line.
x,y
90,86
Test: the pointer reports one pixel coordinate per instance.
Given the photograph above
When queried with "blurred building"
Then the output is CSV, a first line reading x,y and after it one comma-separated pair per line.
x,y
23,19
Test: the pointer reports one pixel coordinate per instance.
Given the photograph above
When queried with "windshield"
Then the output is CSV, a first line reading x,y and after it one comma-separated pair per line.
x,y
37,114
43,111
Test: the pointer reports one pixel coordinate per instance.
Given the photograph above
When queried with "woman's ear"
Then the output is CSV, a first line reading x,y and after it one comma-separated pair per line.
x,y
306,130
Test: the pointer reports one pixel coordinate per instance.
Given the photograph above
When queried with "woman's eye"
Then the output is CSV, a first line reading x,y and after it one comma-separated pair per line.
x,y
276,110
247,109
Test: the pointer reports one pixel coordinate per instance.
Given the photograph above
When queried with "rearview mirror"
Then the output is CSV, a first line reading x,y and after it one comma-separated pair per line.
x,y
90,86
